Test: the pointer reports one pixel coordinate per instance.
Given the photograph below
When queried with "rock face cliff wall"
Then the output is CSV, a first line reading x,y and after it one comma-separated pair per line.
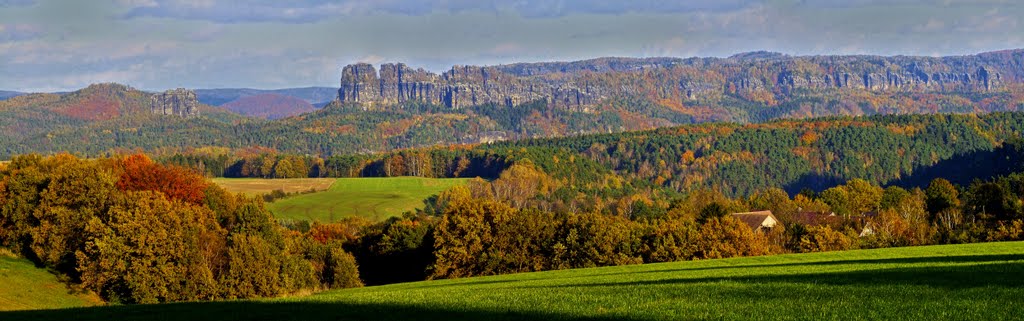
x,y
580,85
179,102
459,87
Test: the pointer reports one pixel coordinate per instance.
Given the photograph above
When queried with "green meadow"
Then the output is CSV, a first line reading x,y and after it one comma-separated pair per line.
x,y
946,282
23,286
373,198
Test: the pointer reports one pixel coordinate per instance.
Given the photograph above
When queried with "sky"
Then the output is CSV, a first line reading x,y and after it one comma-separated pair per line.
x,y
60,45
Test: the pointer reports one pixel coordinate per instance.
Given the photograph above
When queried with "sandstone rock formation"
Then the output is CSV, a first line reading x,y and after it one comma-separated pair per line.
x,y
582,84
459,87
179,102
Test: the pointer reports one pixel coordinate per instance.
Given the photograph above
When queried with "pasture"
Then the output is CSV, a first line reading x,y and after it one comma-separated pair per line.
x,y
945,282
373,198
260,186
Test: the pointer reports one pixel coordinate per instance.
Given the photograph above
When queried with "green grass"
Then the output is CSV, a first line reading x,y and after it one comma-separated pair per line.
x,y
260,186
949,282
373,198
23,286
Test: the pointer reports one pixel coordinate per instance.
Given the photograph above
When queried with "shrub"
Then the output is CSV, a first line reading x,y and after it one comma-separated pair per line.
x,y
824,238
342,270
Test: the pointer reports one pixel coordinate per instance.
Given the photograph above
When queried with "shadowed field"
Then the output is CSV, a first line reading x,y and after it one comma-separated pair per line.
x,y
948,282
23,286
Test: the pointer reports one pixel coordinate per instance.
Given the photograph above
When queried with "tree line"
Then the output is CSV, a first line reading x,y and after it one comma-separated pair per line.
x,y
510,225
135,231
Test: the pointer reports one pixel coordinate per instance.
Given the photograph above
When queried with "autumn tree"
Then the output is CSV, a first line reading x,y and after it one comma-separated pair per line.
x,y
463,237
521,182
669,240
942,196
775,200
591,240
147,249
824,238
721,237
140,173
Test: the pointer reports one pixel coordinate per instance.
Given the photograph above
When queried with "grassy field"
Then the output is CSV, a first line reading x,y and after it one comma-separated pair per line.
x,y
23,286
949,282
373,198
259,186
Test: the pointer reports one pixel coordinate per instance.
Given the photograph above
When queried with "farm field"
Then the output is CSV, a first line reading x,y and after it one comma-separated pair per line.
x,y
23,286
373,198
973,281
260,186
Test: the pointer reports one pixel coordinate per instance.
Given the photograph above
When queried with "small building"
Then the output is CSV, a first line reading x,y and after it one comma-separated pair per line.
x,y
758,221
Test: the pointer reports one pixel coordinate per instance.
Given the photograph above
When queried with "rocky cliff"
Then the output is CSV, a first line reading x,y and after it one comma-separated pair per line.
x,y
582,84
459,87
179,102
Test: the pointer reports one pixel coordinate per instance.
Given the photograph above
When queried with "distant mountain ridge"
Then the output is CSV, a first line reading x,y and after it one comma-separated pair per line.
x,y
9,94
269,106
32,122
221,96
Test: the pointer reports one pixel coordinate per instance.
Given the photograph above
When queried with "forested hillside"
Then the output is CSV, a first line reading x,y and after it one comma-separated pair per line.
x,y
736,159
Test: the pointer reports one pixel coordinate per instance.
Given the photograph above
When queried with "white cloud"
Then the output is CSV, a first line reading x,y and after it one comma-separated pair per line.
x,y
137,3
158,44
19,32
371,59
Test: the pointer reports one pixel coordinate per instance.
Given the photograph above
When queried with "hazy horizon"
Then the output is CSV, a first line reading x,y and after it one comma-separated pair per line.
x,y
53,45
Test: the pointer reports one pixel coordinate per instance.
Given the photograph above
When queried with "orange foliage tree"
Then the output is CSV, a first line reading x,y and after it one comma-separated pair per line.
x,y
140,173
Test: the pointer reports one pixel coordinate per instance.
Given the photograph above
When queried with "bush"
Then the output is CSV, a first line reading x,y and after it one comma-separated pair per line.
x,y
146,249
670,240
728,237
253,268
1012,231
824,238
342,270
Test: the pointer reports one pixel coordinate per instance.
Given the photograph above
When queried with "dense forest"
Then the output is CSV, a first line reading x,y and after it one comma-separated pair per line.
x,y
735,159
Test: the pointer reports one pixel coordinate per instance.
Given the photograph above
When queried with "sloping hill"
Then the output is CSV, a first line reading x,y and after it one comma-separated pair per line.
x,y
971,282
373,198
376,198
27,287
269,106
89,117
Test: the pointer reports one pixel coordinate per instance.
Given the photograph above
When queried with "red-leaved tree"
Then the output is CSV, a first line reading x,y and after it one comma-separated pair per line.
x,y
140,173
